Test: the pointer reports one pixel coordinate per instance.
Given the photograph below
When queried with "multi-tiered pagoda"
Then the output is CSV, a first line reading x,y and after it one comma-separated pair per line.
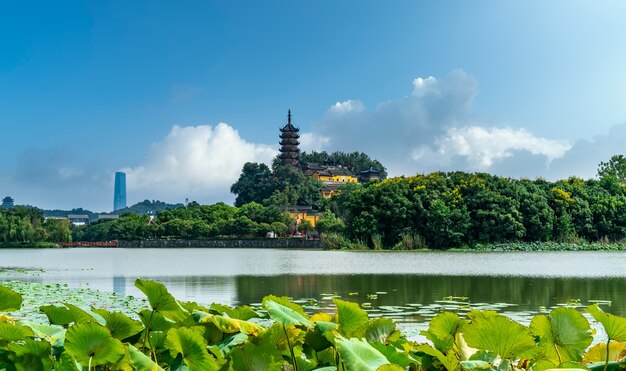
x,y
289,151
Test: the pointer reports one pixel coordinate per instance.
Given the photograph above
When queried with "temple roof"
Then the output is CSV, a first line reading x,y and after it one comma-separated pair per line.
x,y
371,170
289,126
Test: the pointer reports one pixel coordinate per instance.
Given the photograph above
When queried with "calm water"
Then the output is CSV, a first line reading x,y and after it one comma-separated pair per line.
x,y
411,286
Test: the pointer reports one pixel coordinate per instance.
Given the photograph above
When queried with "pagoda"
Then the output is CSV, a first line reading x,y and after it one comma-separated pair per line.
x,y
289,152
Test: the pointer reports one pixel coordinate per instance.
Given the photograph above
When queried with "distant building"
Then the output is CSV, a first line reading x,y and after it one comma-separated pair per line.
x,y
289,151
119,195
302,213
78,219
369,174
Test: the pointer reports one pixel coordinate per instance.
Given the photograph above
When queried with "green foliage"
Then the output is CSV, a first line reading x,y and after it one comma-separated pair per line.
x,y
615,168
210,339
353,162
460,209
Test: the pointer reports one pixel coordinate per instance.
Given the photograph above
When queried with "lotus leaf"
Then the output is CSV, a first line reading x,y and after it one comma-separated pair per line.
x,y
349,317
393,354
448,360
229,343
494,332
564,334
32,355
376,330
598,353
243,312
10,332
121,326
253,357
232,325
614,326
284,301
92,344
358,354
285,315
161,300
55,335
390,368
9,300
140,361
192,347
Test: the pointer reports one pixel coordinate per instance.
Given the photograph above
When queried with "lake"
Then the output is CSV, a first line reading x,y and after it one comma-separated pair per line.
x,y
410,287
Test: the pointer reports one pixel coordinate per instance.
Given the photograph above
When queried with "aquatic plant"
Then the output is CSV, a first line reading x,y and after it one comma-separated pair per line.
x,y
176,335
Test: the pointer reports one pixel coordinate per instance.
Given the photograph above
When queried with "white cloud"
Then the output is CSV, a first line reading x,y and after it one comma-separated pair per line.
x,y
195,162
347,106
481,147
313,142
432,129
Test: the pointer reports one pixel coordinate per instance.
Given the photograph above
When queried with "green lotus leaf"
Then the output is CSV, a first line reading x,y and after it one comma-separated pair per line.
x,y
284,301
564,334
120,326
66,363
91,344
141,361
393,354
376,330
161,300
9,300
32,355
55,335
192,347
253,357
156,321
476,365
10,332
390,367
358,354
229,343
63,316
57,315
350,317
499,334
446,325
598,352
448,360
317,339
285,315
614,326
243,313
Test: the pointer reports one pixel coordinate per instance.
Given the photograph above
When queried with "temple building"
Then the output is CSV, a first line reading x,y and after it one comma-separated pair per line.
x,y
289,151
369,174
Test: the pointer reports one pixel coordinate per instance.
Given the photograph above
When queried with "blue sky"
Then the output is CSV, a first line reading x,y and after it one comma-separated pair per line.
x,y
88,88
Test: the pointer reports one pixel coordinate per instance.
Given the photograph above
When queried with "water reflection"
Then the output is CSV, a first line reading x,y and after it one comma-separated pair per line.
x,y
526,293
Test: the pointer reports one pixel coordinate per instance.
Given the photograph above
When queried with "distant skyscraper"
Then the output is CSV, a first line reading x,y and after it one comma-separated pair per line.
x,y
119,197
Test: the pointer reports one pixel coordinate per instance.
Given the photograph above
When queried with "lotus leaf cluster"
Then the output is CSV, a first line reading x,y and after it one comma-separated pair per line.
x,y
175,335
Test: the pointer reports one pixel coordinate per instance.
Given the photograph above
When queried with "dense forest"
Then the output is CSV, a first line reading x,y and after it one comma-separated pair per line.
x,y
192,222
445,210
21,224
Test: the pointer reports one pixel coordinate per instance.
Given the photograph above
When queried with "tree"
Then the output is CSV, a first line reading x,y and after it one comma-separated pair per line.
x,y
8,202
329,223
615,167
254,184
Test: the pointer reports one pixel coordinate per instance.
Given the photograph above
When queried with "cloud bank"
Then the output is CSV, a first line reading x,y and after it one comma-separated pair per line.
x,y
195,162
430,129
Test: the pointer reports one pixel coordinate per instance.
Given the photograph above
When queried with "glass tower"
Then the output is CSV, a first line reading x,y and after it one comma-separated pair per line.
x,y
119,196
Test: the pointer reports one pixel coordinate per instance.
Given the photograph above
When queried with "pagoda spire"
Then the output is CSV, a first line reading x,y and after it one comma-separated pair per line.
x,y
290,153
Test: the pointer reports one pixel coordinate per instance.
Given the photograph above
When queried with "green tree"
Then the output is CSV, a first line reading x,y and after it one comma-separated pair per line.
x,y
8,202
329,223
615,167
254,184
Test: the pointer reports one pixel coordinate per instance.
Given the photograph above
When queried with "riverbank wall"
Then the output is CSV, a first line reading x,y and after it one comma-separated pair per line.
x,y
268,243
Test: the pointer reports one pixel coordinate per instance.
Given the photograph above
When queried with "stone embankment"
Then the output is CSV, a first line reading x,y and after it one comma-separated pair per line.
x,y
269,243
